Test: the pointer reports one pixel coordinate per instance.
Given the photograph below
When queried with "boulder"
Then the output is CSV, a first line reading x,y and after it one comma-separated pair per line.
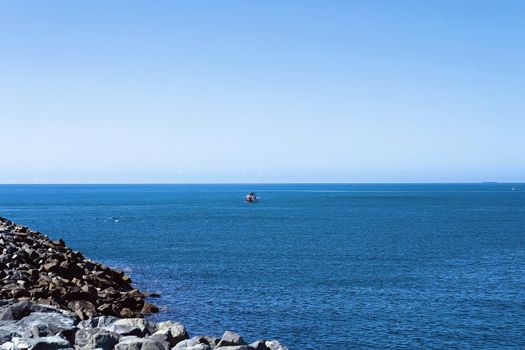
x,y
97,322
231,338
83,336
96,338
195,347
132,326
43,324
8,346
213,341
258,345
38,324
172,332
20,343
84,309
8,330
148,309
48,343
19,310
161,338
194,342
275,345
136,343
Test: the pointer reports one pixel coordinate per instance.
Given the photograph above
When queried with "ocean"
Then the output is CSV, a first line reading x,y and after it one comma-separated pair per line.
x,y
317,266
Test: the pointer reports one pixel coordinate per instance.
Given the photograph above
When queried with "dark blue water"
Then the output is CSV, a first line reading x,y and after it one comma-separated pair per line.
x,y
317,266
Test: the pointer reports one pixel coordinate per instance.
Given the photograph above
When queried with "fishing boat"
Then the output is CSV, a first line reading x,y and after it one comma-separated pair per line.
x,y
251,197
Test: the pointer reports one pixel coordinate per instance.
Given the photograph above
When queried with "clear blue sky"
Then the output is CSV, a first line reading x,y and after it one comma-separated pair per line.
x,y
262,91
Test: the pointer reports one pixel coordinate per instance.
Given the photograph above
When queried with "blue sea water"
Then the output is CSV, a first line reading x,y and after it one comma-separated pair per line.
x,y
320,266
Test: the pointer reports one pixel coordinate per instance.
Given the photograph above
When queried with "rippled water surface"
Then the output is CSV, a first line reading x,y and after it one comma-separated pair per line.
x,y
317,266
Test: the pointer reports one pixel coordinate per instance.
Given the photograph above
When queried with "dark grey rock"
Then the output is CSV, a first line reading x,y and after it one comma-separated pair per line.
x,y
48,343
19,310
212,341
104,340
258,345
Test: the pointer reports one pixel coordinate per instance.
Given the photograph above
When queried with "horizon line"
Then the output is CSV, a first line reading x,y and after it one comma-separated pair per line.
x,y
263,183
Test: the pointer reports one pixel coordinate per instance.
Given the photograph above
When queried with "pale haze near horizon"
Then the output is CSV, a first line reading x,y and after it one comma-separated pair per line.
x,y
262,91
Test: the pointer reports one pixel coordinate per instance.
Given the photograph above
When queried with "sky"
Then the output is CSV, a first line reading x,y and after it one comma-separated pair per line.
x,y
262,91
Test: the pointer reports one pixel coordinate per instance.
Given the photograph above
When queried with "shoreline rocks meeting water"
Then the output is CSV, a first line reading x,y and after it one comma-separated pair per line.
x,y
47,272
52,297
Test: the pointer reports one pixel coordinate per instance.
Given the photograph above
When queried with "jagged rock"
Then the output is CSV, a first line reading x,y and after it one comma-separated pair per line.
x,y
48,343
7,345
97,322
195,347
172,332
127,312
103,340
231,338
136,343
149,309
84,309
96,338
275,345
18,310
132,326
258,345
8,331
213,341
47,324
161,338
19,343
193,342
152,295
29,320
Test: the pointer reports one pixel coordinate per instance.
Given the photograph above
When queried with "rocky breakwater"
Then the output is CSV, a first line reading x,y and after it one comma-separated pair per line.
x,y
35,268
24,325
52,297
